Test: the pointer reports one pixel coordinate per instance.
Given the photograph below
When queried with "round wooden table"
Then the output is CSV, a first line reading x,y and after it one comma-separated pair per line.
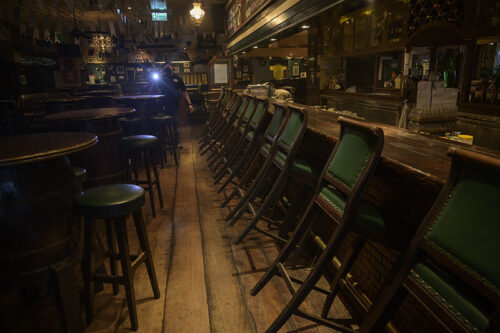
x,y
39,224
102,92
59,104
104,161
146,106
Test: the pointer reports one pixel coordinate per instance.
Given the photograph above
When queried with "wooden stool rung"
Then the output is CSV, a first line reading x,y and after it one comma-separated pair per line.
x,y
108,278
138,260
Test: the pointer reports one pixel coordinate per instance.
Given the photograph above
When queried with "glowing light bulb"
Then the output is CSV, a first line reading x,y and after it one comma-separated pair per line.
x,y
156,76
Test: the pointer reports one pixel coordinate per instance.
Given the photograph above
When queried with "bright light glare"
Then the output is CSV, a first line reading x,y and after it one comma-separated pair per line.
x,y
156,76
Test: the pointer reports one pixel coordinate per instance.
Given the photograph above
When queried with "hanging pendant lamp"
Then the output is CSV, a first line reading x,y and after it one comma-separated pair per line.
x,y
197,13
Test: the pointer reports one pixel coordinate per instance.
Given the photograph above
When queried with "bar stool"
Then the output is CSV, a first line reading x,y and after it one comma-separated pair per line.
x,y
130,126
282,161
114,203
452,265
164,126
338,196
146,146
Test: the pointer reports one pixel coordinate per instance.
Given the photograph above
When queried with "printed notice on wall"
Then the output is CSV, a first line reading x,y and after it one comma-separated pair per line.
x,y
220,74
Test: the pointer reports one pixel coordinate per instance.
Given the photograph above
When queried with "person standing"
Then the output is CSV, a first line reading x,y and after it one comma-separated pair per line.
x,y
173,87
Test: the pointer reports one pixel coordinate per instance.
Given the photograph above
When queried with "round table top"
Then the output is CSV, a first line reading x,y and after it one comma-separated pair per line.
x,y
88,114
102,92
67,99
137,97
31,148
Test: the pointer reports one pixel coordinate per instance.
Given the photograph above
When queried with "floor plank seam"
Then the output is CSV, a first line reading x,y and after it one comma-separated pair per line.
x,y
203,245
172,240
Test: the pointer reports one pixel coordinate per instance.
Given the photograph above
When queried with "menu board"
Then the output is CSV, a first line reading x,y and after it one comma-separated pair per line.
x,y
234,18
252,6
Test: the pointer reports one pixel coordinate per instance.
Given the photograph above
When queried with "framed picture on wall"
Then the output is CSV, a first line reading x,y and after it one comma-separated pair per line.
x,y
295,70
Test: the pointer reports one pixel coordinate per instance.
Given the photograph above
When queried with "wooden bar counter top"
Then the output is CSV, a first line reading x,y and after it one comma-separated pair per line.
x,y
420,156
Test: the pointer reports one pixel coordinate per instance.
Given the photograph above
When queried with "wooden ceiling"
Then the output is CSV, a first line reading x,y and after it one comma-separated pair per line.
x,y
58,14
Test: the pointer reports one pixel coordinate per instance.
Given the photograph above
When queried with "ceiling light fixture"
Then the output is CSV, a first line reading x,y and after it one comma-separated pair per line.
x,y
129,8
255,47
101,42
305,26
273,39
197,13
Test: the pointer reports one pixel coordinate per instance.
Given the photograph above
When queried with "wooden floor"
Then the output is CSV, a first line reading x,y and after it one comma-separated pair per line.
x,y
204,279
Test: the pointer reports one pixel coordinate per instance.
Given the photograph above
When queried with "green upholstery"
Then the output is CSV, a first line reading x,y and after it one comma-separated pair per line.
x,y
369,219
300,166
468,225
242,106
130,120
249,110
334,198
276,121
161,117
140,141
455,296
292,129
259,113
351,157
110,200
80,174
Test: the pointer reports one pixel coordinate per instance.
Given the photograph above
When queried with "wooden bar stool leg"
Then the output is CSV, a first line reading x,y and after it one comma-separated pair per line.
x,y
88,269
289,249
163,149
143,240
124,253
135,158
347,263
111,252
157,176
171,140
146,160
67,299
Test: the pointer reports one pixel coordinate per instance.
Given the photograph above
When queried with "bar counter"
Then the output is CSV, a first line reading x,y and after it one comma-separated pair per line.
x,y
420,156
404,186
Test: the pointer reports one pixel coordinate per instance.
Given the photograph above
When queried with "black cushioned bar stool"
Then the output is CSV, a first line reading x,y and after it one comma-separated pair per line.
x,y
164,126
148,147
130,126
114,203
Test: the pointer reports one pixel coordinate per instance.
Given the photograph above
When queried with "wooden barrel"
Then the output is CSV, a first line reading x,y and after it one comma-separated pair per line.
x,y
39,226
104,162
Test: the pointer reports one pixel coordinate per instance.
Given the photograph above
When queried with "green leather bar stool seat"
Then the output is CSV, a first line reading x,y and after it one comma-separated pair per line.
x,y
147,147
140,141
130,125
163,125
369,219
453,295
300,166
114,203
133,120
161,117
111,200
80,174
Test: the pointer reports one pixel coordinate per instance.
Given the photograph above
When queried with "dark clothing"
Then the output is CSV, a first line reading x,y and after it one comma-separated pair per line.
x,y
172,86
